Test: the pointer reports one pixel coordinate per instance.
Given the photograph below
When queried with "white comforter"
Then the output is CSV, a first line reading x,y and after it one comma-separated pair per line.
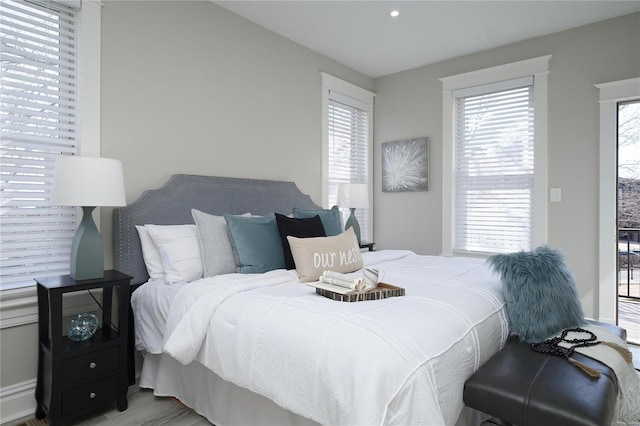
x,y
403,360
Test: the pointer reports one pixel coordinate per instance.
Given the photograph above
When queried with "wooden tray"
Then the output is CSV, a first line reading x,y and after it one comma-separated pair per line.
x,y
382,291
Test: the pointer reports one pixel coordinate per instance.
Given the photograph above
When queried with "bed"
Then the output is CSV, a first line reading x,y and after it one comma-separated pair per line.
x,y
264,348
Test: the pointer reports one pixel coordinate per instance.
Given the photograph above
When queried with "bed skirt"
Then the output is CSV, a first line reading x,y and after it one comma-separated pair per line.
x,y
224,403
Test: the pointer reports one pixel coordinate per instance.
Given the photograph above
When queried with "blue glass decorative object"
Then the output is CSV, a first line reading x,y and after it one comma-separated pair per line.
x,y
83,327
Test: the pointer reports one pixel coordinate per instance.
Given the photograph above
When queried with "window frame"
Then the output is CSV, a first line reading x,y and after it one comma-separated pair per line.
x,y
539,69
365,98
18,305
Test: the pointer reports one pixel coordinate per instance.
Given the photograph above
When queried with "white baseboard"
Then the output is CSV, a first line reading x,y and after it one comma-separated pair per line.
x,y
17,402
606,320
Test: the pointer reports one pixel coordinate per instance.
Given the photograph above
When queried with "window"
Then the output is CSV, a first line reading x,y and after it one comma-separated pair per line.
x,y
495,152
40,121
494,161
347,117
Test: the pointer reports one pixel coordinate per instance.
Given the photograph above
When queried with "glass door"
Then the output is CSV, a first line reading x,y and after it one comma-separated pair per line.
x,y
629,219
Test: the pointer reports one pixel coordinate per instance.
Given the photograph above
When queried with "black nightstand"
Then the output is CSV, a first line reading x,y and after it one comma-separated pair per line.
x,y
75,378
367,245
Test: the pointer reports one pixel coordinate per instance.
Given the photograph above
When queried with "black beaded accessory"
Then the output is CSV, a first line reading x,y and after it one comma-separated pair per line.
x,y
552,346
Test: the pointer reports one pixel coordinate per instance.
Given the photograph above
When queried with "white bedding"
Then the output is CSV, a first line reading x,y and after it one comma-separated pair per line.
x,y
150,304
397,361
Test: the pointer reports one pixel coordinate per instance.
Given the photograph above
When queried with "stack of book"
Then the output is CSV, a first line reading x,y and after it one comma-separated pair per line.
x,y
346,288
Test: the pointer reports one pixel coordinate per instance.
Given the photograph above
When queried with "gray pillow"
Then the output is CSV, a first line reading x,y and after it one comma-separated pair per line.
x,y
256,242
215,245
330,219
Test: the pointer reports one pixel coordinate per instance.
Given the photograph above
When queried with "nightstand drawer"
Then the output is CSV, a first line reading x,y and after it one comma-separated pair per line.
x,y
89,395
88,366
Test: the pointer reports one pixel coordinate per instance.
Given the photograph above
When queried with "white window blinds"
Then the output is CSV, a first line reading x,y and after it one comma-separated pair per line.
x,y
494,167
39,116
348,129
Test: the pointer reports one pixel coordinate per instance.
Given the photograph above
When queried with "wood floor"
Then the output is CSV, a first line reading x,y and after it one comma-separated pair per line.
x,y
145,409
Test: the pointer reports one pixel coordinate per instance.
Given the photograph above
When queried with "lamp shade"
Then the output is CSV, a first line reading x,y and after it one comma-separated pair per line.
x,y
88,181
353,195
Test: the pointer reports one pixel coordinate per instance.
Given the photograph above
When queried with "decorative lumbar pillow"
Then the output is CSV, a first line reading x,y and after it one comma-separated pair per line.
x,y
330,218
215,245
256,243
150,254
313,256
302,228
540,293
179,250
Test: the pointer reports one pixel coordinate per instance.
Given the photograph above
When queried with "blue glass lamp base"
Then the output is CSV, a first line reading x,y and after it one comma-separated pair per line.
x,y
353,223
87,251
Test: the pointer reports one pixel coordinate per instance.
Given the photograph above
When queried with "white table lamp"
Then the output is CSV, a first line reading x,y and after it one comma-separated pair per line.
x,y
353,196
87,182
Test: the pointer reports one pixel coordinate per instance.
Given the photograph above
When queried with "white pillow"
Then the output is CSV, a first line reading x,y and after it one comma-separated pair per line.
x,y
150,254
179,250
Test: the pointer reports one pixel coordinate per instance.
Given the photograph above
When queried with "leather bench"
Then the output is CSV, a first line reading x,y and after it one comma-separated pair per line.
x,y
523,387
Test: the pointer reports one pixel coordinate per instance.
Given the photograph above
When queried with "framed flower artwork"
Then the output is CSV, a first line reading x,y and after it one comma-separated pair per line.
x,y
405,165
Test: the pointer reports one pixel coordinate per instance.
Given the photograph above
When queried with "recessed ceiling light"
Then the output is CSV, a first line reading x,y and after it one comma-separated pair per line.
x,y
394,13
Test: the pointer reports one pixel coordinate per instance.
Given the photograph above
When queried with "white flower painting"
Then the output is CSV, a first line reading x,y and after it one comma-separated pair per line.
x,y
405,165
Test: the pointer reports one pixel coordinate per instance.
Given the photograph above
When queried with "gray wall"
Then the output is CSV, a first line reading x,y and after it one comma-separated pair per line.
x,y
409,104
188,87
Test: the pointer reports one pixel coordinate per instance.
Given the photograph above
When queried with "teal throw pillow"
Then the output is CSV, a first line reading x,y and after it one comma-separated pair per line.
x,y
256,243
330,219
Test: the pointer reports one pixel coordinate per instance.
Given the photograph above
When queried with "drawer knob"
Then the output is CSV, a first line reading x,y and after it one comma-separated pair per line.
x,y
92,395
92,365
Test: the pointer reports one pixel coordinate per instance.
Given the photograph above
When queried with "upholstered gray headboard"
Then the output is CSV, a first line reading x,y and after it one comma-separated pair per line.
x,y
172,203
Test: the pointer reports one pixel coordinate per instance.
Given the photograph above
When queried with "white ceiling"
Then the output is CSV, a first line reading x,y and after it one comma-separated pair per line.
x,y
361,34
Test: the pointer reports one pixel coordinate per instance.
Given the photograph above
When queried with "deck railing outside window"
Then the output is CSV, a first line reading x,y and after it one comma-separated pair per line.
x,y
629,262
